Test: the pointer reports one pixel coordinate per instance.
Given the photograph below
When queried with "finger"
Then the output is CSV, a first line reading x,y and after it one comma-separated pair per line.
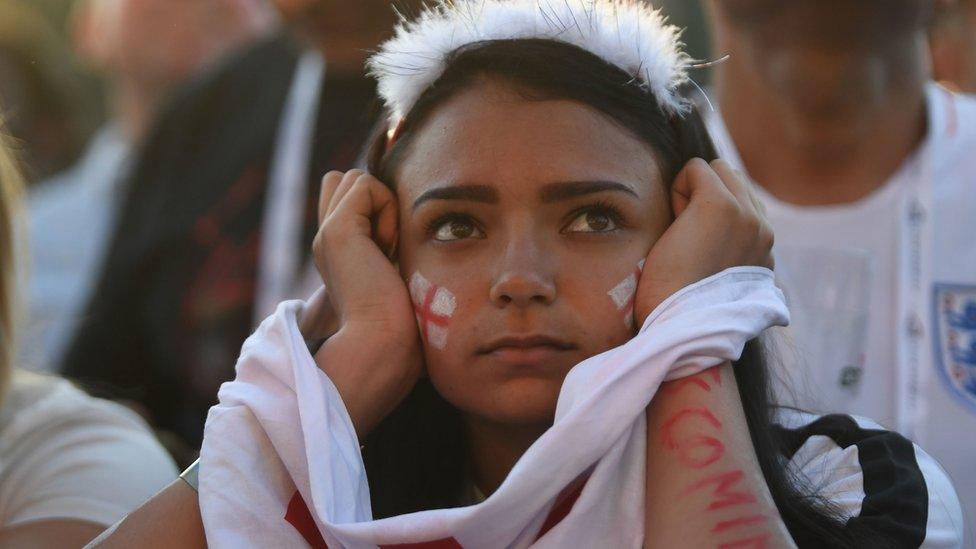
x,y
386,222
751,204
739,186
348,180
697,179
328,187
760,206
753,193
374,208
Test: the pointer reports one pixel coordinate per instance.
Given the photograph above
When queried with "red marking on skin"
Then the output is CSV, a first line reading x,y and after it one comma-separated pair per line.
x,y
686,446
426,316
738,522
757,542
301,518
678,385
698,380
723,496
716,375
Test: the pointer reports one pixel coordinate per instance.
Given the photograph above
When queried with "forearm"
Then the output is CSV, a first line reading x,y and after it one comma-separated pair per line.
x,y
704,485
171,518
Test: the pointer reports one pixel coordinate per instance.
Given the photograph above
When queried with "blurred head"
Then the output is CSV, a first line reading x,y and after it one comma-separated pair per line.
x,y
952,40
10,197
820,52
162,42
345,31
834,24
38,91
532,180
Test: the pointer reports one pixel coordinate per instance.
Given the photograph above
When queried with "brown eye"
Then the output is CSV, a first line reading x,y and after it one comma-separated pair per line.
x,y
592,221
456,229
597,221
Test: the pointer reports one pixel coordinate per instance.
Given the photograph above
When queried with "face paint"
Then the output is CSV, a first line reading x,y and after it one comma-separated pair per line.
x,y
433,306
623,294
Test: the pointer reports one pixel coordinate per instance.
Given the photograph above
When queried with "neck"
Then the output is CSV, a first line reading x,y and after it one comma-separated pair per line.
x,y
819,128
494,448
133,104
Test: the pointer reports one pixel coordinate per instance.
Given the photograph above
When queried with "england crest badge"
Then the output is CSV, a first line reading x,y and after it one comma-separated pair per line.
x,y
955,339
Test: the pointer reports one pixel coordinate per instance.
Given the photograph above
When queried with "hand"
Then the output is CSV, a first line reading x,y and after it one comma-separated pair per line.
x,y
375,358
719,223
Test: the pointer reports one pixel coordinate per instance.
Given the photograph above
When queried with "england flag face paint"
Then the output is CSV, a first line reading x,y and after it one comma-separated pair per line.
x,y
434,306
623,294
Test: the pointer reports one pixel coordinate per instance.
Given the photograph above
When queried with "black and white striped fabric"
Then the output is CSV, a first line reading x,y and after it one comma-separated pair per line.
x,y
873,476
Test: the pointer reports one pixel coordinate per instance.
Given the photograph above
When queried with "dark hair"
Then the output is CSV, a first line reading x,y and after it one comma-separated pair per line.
x,y
416,458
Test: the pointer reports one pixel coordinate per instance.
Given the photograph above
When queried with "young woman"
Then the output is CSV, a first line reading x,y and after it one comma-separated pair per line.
x,y
541,193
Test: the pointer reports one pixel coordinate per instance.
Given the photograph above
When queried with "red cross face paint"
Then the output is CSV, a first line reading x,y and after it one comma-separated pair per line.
x,y
623,294
434,305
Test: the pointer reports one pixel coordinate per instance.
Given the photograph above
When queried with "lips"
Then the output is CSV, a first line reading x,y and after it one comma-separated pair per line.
x,y
526,350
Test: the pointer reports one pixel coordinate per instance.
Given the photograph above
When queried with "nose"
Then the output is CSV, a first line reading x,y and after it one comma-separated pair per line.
x,y
523,277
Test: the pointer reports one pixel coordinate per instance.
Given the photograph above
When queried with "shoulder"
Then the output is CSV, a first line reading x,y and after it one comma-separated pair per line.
x,y
872,476
65,455
203,134
251,81
37,402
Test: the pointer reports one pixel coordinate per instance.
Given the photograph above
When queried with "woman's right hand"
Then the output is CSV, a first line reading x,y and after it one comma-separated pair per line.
x,y
375,358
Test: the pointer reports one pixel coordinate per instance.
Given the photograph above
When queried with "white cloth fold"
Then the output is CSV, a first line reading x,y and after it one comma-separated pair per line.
x,y
280,428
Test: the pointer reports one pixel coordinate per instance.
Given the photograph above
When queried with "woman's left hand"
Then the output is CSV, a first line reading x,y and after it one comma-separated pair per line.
x,y
719,223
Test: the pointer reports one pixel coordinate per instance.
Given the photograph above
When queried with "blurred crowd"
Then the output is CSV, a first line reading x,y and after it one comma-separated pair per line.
x,y
171,152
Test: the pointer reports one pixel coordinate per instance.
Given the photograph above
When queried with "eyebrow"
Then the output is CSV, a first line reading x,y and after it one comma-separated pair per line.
x,y
553,192
470,193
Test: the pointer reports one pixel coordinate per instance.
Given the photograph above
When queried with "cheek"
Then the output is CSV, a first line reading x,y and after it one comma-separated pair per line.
x,y
434,306
623,293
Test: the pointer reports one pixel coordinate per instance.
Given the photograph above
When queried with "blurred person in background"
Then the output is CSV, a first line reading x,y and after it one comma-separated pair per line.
x,y
218,227
37,91
145,49
866,167
70,465
952,40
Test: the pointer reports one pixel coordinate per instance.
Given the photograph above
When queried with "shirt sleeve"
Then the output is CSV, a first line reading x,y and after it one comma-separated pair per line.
x,y
875,478
95,465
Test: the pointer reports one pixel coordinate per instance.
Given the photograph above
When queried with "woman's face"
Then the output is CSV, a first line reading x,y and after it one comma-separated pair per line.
x,y
522,227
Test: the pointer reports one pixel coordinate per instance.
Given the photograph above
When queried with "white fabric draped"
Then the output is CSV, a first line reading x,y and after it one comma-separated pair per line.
x,y
280,428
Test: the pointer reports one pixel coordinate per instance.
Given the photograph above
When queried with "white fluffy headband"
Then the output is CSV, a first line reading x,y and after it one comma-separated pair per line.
x,y
626,33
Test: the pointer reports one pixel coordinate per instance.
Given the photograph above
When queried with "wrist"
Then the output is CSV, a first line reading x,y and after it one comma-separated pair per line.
x,y
372,373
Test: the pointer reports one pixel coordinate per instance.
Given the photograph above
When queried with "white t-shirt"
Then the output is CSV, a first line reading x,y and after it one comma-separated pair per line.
x,y
835,264
883,294
66,455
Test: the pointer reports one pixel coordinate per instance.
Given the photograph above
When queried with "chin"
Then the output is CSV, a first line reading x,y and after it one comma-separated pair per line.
x,y
524,401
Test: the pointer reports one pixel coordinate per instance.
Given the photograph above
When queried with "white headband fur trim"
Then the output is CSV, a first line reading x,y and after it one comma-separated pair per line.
x,y
625,33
